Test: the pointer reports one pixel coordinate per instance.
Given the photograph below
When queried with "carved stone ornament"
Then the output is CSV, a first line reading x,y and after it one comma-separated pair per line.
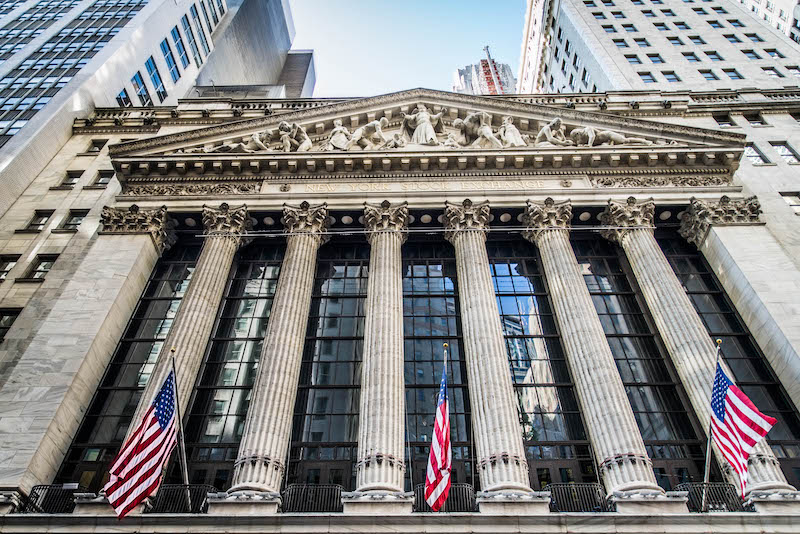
x,y
621,218
155,222
226,221
384,217
191,189
307,219
661,181
547,215
701,215
466,216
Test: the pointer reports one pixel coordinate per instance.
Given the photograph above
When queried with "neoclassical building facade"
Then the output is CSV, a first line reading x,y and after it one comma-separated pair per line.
x,y
305,261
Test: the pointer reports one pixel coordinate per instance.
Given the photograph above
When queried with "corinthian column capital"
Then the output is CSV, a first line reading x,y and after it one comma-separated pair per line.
x,y
702,214
624,217
307,219
384,217
547,215
226,221
156,222
465,216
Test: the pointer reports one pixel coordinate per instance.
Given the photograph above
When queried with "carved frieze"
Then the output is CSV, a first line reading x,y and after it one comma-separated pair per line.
x,y
226,221
663,180
307,219
191,189
620,217
133,220
466,216
384,217
701,215
547,215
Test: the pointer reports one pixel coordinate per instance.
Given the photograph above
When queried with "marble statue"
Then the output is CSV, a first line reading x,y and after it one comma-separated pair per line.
x,y
369,135
476,128
422,126
293,137
397,141
589,136
509,133
552,134
251,144
452,141
339,137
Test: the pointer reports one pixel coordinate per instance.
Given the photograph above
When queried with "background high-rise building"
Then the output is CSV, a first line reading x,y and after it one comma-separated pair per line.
x,y
781,14
61,58
487,77
601,45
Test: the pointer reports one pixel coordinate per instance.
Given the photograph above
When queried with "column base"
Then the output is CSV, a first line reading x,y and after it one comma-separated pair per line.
x,y
647,502
9,502
92,504
377,502
244,503
774,502
514,502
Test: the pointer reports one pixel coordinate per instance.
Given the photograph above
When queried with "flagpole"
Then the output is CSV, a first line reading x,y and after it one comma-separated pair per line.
x,y
182,451
707,473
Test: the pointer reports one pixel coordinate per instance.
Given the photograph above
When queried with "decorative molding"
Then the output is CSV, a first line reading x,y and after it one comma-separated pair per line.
x,y
697,220
384,217
466,216
307,219
191,189
622,218
680,180
155,222
547,215
226,221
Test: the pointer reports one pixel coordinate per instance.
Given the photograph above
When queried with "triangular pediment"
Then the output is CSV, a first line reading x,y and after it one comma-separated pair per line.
x,y
422,128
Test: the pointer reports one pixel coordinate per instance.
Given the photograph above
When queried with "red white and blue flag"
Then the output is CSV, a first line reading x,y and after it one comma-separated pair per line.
x,y
736,424
137,469
437,479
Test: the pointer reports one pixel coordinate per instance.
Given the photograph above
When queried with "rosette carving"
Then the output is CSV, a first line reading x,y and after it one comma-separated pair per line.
x,y
621,218
133,220
701,215
547,215
466,216
384,217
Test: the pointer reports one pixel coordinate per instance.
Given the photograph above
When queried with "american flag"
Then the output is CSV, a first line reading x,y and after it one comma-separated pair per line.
x,y
136,471
437,479
736,424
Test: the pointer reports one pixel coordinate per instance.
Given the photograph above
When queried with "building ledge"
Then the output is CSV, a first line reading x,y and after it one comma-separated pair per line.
x,y
29,280
64,231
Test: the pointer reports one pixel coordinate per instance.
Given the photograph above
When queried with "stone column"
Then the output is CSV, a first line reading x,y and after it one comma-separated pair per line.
x,y
261,462
688,342
197,313
769,491
380,467
496,430
618,446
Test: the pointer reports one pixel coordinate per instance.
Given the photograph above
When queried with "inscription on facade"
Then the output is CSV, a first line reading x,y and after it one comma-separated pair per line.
x,y
434,185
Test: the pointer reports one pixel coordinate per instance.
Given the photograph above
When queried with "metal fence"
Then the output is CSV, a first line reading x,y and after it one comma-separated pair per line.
x,y
50,499
181,499
574,497
460,499
719,497
310,498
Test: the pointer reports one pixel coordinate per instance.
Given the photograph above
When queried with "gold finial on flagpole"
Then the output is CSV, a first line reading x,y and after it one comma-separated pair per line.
x,y
445,345
719,342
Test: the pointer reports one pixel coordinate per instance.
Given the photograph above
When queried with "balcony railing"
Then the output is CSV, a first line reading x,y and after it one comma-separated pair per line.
x,y
719,497
181,499
312,498
460,499
50,499
572,497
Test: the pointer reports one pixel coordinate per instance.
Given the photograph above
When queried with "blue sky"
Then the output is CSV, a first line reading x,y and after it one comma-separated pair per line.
x,y
370,47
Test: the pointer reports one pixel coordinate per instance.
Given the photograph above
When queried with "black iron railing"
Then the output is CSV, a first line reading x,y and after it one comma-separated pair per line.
x,y
573,497
176,499
719,497
460,499
310,498
50,499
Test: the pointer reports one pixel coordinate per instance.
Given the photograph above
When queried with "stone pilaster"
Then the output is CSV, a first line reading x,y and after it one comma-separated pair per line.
x,y
696,222
380,466
495,422
261,462
689,345
155,223
614,434
195,318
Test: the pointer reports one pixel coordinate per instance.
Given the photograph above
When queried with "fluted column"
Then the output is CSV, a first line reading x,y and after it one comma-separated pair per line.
x,y
688,342
382,415
261,462
613,432
495,422
195,318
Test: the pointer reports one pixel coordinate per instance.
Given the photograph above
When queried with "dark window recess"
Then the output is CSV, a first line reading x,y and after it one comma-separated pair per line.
x,y
74,219
7,262
41,266
7,318
97,145
39,220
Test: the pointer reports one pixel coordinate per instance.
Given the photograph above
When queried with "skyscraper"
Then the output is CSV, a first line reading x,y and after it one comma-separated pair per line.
x,y
487,77
601,45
